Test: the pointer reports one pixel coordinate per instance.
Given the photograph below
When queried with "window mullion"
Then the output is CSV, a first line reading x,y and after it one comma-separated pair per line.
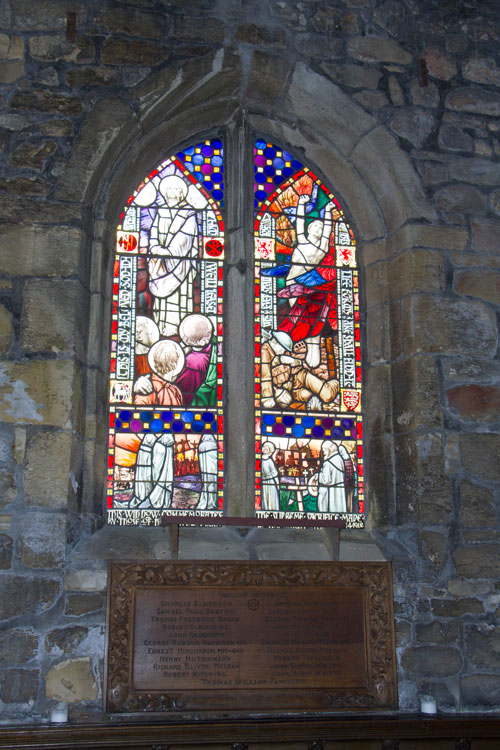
x,y
238,332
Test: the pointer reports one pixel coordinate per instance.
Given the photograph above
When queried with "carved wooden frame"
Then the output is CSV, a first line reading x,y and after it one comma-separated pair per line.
x,y
375,579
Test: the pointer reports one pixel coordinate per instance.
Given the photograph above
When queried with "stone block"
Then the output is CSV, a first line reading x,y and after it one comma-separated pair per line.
x,y
55,47
480,690
475,259
32,155
371,99
473,99
433,547
482,284
56,128
117,51
476,370
132,22
268,77
396,92
478,562
101,127
77,605
190,28
424,96
436,660
23,210
52,15
479,403
47,102
18,647
316,46
480,454
482,70
39,392
482,646
52,316
48,466
71,681
27,595
460,588
371,49
101,76
6,329
439,63
413,124
65,640
453,138
19,686
402,631
23,186
382,483
415,391
476,170
433,323
462,199
416,271
378,400
437,632
392,178
85,580
456,607
251,33
42,541
11,48
423,490
353,76
6,549
324,106
39,250
11,70
485,234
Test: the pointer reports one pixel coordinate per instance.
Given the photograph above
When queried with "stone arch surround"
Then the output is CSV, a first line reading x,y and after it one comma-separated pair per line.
x,y
378,187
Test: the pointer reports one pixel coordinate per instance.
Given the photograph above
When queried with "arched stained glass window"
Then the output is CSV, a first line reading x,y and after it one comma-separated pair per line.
x,y
166,425
309,456
166,435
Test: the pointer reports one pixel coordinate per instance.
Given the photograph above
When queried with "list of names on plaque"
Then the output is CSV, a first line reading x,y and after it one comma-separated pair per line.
x,y
270,637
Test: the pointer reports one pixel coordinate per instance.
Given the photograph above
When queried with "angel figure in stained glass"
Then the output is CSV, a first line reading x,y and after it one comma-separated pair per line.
x,y
172,250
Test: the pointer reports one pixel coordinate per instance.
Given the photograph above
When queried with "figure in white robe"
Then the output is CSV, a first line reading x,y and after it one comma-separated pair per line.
x,y
331,480
270,479
154,473
173,245
207,457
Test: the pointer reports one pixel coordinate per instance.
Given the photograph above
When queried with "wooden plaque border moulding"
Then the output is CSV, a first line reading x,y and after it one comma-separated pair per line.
x,y
366,680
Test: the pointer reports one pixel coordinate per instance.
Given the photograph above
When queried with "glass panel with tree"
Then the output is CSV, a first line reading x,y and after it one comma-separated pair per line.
x,y
166,425
309,455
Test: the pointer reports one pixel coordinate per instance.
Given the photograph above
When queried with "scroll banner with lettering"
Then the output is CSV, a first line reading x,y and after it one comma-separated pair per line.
x,y
250,638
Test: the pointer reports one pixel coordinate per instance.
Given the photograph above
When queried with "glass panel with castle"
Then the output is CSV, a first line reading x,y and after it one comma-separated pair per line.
x,y
166,425
309,454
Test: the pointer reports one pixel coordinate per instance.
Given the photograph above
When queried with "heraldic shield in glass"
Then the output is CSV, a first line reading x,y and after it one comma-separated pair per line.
x,y
309,455
166,429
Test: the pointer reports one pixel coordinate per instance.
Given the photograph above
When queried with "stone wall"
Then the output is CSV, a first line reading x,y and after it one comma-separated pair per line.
x,y
398,105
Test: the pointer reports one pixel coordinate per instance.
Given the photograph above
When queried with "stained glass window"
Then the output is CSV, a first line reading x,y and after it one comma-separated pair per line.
x,y
166,423
309,454
166,432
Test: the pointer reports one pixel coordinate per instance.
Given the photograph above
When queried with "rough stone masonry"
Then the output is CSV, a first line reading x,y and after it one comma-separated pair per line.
x,y
397,103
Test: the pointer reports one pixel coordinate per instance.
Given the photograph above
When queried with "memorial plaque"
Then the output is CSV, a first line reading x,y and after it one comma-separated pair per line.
x,y
250,638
